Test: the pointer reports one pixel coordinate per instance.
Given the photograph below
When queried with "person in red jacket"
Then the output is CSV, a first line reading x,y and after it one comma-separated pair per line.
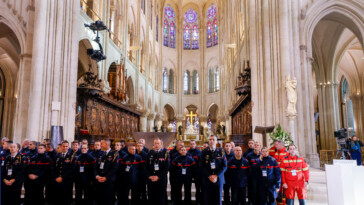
x,y
295,176
279,154
272,150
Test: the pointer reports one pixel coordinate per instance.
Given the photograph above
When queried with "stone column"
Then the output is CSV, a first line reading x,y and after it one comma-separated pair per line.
x,y
54,68
159,122
143,121
150,124
179,122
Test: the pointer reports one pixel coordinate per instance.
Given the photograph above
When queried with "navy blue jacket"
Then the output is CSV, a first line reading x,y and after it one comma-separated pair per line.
x,y
32,152
3,154
239,170
195,154
183,162
218,156
97,153
24,151
110,162
162,159
18,166
144,156
64,167
131,167
87,161
39,165
229,157
52,155
254,168
247,152
273,177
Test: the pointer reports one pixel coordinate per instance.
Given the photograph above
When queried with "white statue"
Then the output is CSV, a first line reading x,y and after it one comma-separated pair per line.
x,y
291,85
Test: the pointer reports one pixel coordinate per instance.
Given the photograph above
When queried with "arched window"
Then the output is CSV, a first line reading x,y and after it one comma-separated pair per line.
x,y
165,33
171,82
186,82
195,37
172,34
165,81
217,79
209,34
212,29
186,37
213,80
191,30
347,108
169,27
195,88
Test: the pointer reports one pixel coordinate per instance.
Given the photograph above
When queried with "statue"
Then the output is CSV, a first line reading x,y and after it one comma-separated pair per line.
x,y
155,128
223,129
291,85
162,128
218,130
201,130
180,130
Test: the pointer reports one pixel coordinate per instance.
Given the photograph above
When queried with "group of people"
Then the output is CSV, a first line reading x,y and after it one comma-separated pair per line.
x,y
103,175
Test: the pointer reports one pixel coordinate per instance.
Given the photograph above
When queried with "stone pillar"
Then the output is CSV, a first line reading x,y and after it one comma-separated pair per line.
x,y
150,124
54,68
179,122
159,122
143,121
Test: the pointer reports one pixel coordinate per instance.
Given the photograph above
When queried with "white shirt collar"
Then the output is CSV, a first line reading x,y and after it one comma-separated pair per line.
x,y
107,151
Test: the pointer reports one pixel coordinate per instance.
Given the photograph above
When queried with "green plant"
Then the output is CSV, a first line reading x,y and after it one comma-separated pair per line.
x,y
280,134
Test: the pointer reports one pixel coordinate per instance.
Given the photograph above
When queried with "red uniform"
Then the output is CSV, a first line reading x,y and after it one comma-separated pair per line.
x,y
272,151
279,155
294,173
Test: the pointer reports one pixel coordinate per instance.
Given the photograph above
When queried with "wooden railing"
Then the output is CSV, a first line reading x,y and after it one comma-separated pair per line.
x,y
89,11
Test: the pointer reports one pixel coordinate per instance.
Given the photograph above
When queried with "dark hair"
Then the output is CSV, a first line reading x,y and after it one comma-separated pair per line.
x,y
50,145
76,142
18,145
251,140
42,145
64,142
122,141
292,145
47,140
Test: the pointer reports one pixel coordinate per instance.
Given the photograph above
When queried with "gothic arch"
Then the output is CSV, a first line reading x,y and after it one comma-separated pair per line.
x,y
169,112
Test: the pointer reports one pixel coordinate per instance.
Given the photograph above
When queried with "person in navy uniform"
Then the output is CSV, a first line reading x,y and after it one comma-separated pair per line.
x,y
157,166
25,147
172,179
213,165
124,146
49,185
196,173
4,152
85,163
104,173
97,153
143,175
142,141
269,180
118,146
62,175
239,169
131,166
254,173
183,166
37,174
32,149
229,153
12,176
75,148
251,145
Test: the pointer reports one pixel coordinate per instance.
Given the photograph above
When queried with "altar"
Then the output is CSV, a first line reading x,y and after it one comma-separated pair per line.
x,y
191,133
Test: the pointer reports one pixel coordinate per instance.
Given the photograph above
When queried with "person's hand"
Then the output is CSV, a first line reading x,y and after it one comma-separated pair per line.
x,y
33,176
101,179
11,181
7,182
306,186
261,157
285,186
59,179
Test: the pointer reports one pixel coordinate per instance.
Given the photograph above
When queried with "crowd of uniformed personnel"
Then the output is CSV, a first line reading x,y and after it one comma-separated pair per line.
x,y
102,175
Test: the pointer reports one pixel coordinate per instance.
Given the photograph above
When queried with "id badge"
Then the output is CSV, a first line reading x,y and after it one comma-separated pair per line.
x,y
213,166
264,173
2,163
82,169
101,165
156,167
127,169
294,173
10,172
184,171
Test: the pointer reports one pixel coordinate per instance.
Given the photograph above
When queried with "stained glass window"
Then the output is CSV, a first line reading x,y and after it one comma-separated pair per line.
x,y
165,33
216,32
195,82
217,80
195,37
186,37
185,83
169,28
212,26
172,35
191,30
209,34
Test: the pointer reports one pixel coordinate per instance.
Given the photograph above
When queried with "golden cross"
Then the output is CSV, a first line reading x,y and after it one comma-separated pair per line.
x,y
191,115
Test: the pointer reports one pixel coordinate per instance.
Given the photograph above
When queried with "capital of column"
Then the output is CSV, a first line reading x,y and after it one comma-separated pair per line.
x,y
203,118
151,116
